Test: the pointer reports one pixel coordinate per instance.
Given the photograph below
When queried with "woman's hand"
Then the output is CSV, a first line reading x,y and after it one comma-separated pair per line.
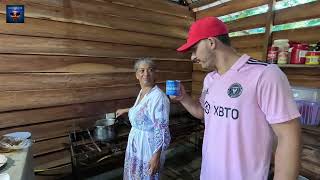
x,y
182,94
119,112
154,164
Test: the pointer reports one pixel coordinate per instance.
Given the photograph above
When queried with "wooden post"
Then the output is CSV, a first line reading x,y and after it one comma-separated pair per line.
x,y
269,25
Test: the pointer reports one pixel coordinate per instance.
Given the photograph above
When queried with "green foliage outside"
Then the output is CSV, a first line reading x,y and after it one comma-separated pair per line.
x,y
262,9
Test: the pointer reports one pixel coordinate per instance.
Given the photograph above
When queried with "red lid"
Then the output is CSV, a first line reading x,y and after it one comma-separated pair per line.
x,y
313,53
300,46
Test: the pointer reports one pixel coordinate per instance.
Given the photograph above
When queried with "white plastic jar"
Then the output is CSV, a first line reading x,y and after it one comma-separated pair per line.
x,y
283,45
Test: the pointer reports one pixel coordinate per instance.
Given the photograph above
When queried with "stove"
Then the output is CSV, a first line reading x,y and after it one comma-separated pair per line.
x,y
90,157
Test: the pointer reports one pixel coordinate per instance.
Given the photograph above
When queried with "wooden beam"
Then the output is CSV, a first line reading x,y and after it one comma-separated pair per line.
x,y
269,24
230,7
200,3
247,23
165,7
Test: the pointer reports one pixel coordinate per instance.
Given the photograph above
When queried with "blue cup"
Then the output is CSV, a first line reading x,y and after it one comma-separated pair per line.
x,y
173,87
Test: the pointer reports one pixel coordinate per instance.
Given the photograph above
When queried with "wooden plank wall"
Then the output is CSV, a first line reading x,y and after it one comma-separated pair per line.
x,y
253,45
71,62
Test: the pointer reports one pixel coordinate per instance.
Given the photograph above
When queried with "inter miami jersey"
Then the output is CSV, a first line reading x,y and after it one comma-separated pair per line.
x,y
239,107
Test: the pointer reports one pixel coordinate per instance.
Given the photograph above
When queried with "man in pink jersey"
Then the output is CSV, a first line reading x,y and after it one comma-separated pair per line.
x,y
245,103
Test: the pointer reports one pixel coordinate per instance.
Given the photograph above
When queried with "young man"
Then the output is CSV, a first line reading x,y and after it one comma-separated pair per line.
x,y
244,102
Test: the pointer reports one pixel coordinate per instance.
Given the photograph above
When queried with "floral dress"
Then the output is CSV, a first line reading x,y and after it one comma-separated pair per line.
x,y
149,133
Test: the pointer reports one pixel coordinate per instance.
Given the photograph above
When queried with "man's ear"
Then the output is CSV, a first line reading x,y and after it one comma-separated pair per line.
x,y
212,42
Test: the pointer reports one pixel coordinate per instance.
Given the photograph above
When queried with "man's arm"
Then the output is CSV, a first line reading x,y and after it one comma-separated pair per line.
x,y
193,107
287,157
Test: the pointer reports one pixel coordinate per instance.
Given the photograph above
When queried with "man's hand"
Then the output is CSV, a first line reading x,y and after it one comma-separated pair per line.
x,y
154,164
182,94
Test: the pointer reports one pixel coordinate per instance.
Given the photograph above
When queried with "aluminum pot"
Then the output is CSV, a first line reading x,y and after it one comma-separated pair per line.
x,y
105,130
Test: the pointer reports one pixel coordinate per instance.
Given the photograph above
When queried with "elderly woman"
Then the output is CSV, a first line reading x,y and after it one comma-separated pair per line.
x,y
149,136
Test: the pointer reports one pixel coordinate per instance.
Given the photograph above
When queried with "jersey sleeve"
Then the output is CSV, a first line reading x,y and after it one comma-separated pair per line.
x,y
275,96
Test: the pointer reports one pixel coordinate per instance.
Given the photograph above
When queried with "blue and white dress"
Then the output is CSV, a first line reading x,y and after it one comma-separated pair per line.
x,y
149,133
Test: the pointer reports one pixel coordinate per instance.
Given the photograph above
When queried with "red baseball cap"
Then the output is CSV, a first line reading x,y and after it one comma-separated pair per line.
x,y
203,28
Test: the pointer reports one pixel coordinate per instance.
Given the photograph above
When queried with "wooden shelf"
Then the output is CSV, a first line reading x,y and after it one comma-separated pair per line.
x,y
298,66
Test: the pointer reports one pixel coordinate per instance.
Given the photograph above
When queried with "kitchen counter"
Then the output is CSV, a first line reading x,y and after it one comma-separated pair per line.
x,y
19,165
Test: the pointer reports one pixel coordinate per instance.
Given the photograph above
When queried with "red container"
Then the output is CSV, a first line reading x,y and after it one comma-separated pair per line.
x,y
298,53
272,55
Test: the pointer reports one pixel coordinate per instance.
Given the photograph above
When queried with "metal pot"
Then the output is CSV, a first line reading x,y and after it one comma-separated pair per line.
x,y
105,130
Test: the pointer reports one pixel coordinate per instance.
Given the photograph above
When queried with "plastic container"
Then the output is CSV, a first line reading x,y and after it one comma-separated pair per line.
x,y
298,53
312,57
283,54
310,112
306,94
308,102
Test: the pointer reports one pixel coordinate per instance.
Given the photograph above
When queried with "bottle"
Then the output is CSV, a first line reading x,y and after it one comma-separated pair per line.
x,y
312,57
272,55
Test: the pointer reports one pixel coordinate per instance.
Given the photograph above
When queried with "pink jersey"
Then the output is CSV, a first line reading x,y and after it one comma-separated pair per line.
x,y
239,107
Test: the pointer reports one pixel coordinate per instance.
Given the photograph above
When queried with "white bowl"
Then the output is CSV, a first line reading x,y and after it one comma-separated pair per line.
x,y
3,160
4,176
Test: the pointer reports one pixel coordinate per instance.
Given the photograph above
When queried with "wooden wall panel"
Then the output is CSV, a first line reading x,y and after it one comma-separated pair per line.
x,y
18,100
52,145
38,81
37,27
249,41
306,35
71,64
83,8
22,45
60,113
247,23
79,16
52,160
305,77
298,13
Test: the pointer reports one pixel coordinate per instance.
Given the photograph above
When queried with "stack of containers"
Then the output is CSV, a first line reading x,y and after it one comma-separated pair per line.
x,y
308,101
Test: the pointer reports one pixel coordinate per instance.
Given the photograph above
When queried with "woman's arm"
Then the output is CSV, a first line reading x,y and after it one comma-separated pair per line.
x,y
160,115
119,112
